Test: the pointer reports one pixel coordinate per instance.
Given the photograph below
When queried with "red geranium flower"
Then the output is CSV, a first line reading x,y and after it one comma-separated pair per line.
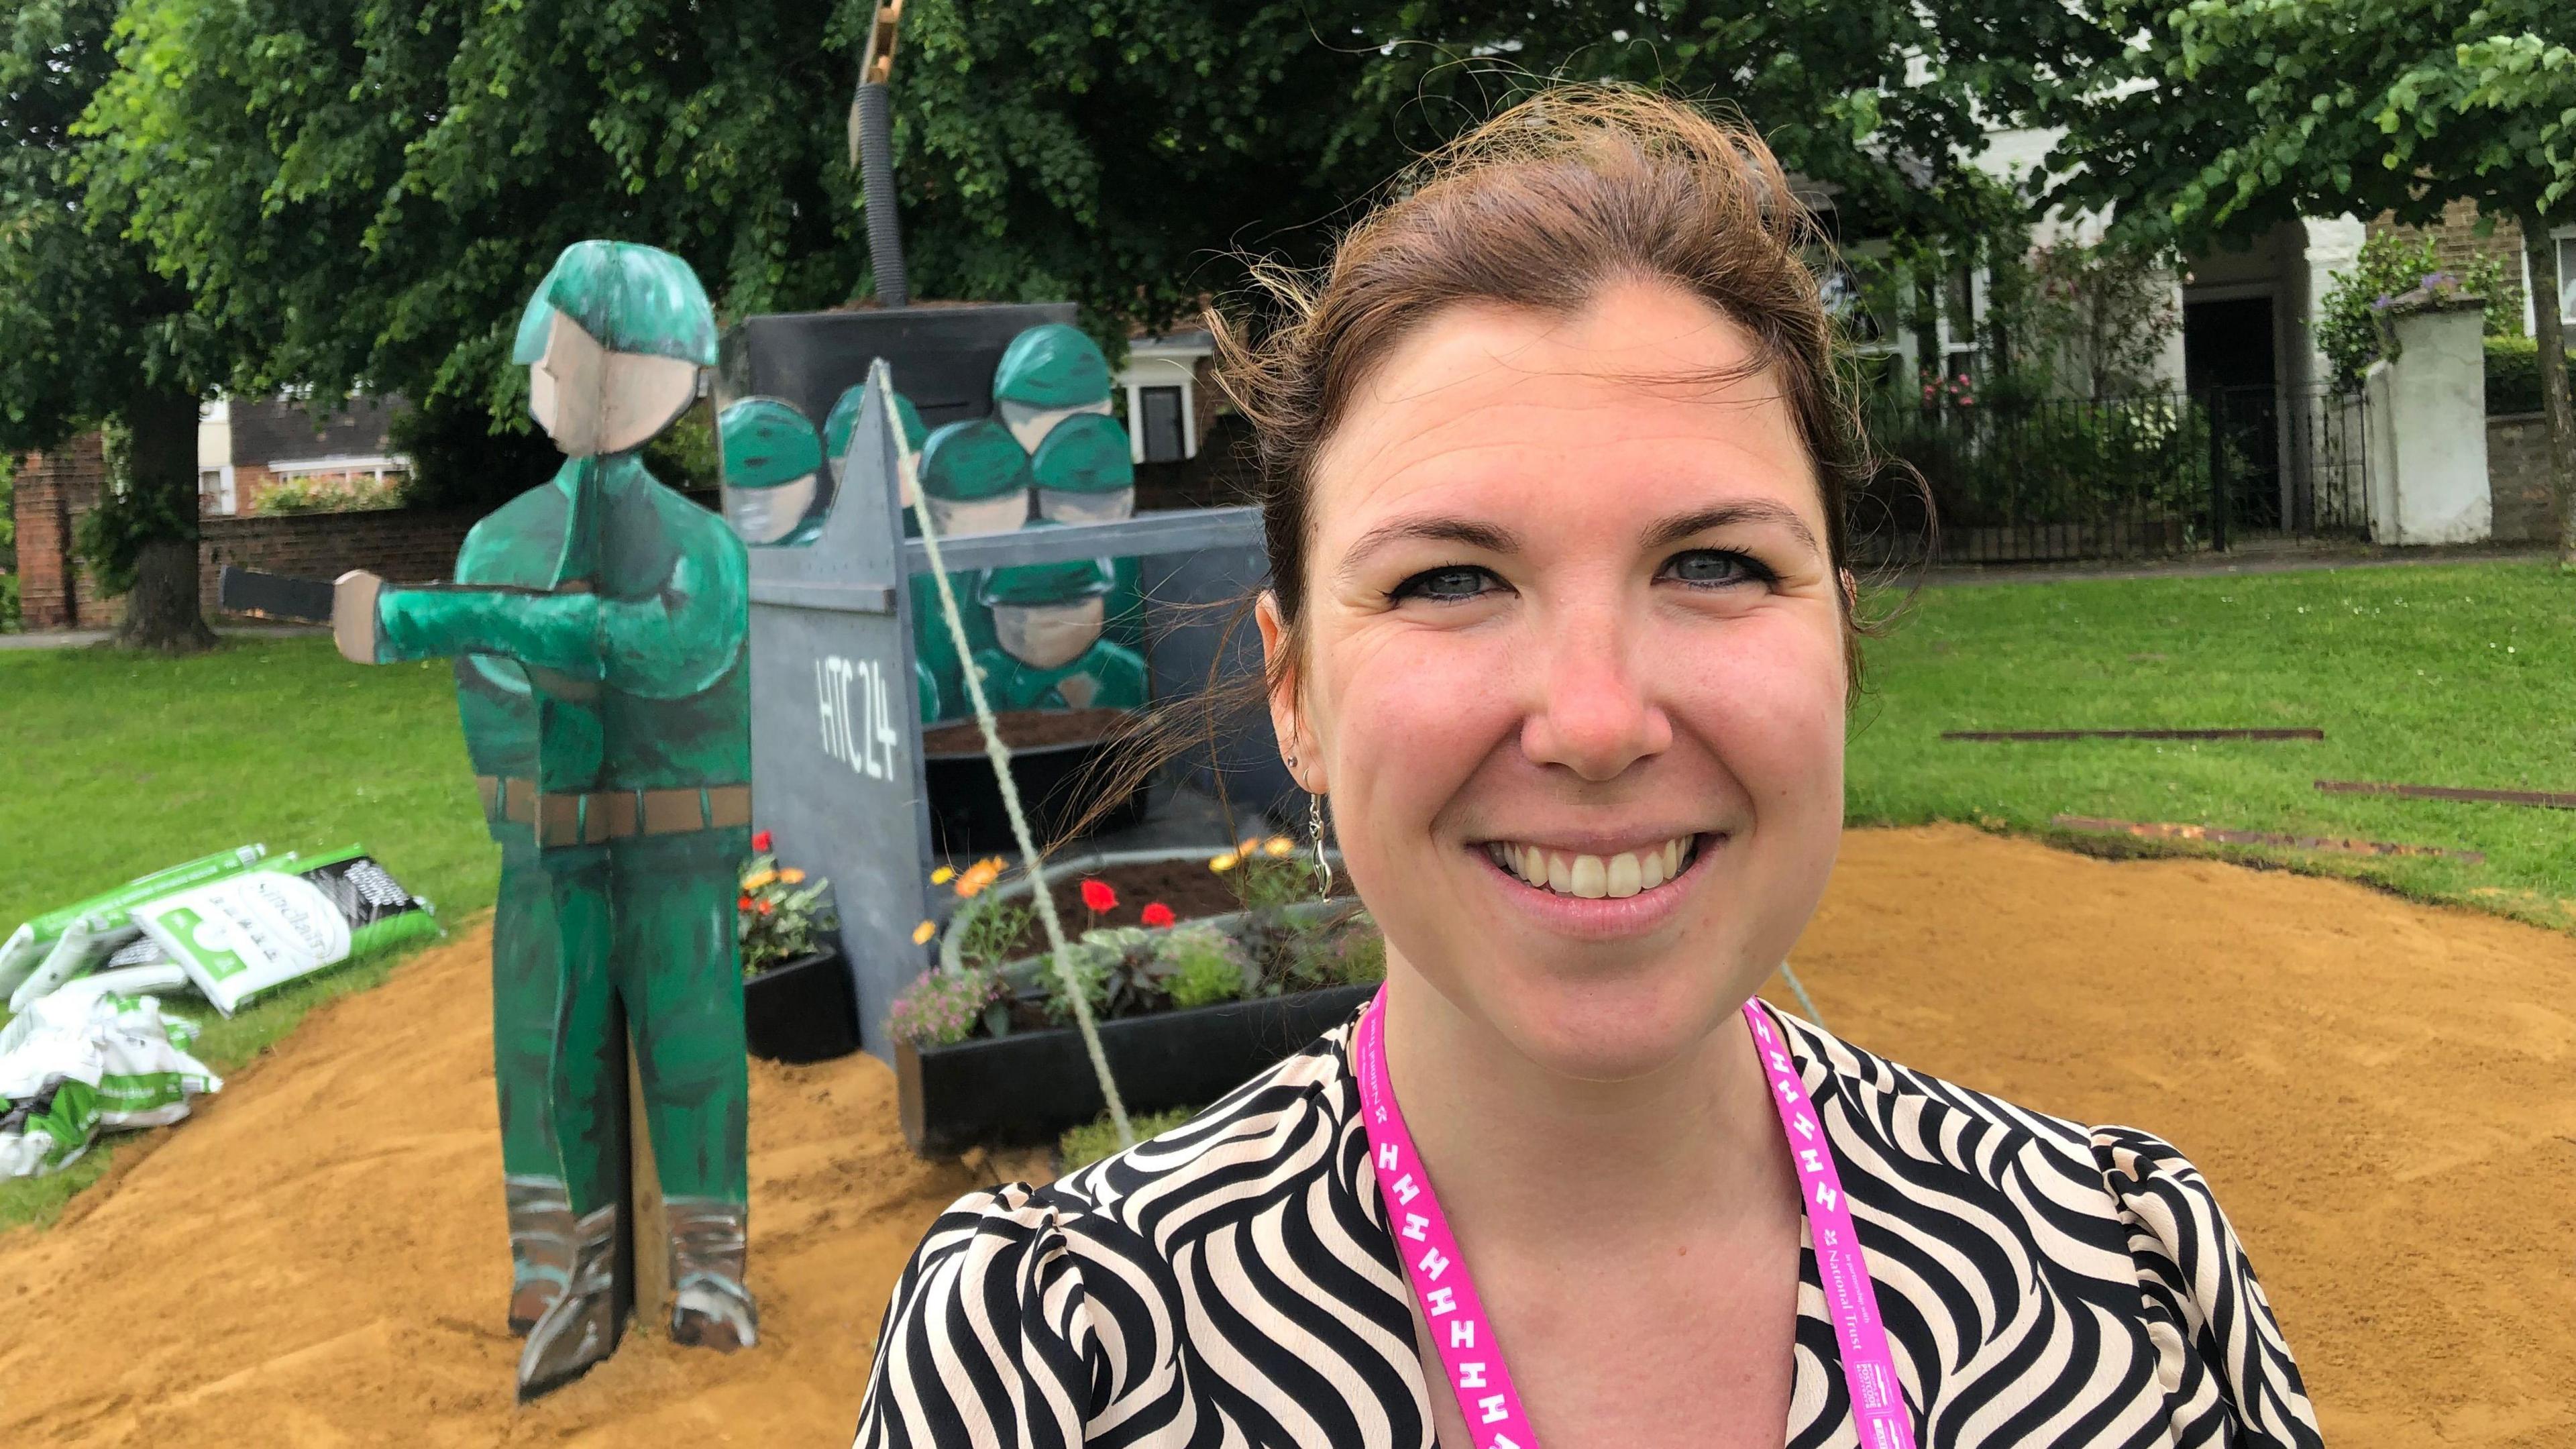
x,y
1157,914
760,842
1097,896
743,905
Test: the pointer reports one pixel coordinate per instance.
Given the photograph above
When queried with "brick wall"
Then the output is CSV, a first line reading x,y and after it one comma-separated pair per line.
x,y
403,546
53,491
2456,242
2518,479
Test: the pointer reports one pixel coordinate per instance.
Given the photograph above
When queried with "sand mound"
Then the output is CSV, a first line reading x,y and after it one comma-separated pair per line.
x,y
2380,1092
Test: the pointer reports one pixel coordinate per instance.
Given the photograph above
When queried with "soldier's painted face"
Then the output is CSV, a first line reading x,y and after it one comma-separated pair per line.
x,y
1031,424
1001,514
1049,636
1571,669
592,401
766,515
1059,505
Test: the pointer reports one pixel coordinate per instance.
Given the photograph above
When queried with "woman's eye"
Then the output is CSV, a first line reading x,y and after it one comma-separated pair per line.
x,y
1446,585
1711,568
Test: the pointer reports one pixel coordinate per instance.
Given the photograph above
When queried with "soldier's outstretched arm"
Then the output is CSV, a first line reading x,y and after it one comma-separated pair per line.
x,y
675,641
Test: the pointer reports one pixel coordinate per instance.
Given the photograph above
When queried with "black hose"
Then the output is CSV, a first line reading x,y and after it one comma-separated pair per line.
x,y
876,181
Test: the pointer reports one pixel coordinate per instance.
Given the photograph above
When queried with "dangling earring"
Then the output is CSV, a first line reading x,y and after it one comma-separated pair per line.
x,y
1323,867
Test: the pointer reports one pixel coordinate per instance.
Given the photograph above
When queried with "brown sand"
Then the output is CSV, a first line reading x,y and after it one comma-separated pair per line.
x,y
2380,1092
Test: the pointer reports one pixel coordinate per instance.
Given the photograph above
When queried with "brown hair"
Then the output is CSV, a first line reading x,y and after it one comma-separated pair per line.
x,y
1542,207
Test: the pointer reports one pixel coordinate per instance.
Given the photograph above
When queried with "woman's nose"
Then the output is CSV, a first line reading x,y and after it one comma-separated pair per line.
x,y
1590,709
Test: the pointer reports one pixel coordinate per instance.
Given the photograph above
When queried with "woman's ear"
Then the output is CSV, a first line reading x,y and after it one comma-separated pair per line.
x,y
1279,662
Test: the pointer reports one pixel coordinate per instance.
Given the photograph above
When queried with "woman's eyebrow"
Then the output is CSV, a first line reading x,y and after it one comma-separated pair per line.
x,y
1668,531
1487,537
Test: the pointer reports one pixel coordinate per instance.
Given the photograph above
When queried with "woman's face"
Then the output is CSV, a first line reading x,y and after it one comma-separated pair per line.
x,y
1573,672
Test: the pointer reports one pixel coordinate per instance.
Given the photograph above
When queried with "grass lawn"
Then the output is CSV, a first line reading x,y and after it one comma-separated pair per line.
x,y
2441,675
120,765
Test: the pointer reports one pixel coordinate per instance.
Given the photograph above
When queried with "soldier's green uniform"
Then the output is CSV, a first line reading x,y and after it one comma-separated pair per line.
x,y
600,629
1050,652
973,479
1086,474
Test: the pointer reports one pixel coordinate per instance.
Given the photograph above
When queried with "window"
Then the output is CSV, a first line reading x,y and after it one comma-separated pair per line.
x,y
1162,424
215,490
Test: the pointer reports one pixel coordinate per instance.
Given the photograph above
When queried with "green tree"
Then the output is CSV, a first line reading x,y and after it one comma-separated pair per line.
x,y
371,190
2228,115
95,334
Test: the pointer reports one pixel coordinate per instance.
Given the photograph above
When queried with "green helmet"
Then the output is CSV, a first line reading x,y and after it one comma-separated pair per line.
x,y
1053,366
971,461
1086,453
766,443
845,420
1047,583
628,297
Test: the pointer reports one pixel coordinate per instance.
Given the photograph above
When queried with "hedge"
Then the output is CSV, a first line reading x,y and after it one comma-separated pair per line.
x,y
2513,375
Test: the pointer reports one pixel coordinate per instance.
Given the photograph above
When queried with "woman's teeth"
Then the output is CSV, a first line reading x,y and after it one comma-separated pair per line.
x,y
1592,876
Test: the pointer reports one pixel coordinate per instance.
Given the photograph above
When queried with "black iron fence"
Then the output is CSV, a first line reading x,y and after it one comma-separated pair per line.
x,y
2071,478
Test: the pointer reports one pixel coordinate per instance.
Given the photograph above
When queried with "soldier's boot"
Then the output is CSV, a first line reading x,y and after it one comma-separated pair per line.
x,y
580,1328
710,1307
540,1247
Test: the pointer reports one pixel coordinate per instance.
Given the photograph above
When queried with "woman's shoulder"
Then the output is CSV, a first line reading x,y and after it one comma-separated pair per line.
x,y
1963,1185
1919,1114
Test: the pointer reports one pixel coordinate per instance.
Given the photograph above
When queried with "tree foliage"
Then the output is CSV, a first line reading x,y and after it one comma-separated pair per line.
x,y
370,190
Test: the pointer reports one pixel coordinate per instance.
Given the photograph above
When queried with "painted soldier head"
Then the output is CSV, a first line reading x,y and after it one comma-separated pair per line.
x,y
1085,472
1048,615
772,462
1046,375
974,478
613,341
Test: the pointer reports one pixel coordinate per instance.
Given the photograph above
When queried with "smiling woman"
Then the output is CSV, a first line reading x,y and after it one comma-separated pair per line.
x,y
1561,624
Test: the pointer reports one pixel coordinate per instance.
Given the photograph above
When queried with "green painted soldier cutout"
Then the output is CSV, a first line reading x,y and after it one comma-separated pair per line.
x,y
1049,652
1086,474
599,626
973,479
1048,374
772,462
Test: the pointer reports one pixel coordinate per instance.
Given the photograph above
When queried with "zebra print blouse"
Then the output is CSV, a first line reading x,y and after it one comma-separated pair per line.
x,y
1233,1282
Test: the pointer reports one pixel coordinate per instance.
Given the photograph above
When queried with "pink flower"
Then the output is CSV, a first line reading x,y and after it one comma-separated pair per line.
x,y
1098,897
1157,914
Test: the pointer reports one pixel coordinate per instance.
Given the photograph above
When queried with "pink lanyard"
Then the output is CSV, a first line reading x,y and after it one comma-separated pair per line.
x,y
1464,1336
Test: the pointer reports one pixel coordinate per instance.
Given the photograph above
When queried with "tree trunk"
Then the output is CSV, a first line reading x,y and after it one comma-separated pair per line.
x,y
2555,406
161,610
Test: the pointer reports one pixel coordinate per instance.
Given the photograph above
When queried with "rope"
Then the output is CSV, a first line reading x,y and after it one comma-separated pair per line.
x,y
1804,1000
882,378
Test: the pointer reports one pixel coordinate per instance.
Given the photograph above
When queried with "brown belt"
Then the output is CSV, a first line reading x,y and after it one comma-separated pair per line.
x,y
572,817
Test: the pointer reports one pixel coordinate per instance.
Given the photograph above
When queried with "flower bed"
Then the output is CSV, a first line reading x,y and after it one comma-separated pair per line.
x,y
986,1052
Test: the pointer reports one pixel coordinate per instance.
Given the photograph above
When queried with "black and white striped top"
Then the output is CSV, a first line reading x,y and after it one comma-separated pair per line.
x,y
1233,1282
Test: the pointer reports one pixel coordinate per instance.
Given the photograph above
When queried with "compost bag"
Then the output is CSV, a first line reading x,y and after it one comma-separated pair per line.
x,y
81,1062
255,931
55,947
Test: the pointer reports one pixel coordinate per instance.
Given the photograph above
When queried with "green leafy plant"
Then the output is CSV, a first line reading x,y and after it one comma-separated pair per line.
x,y
778,917
1204,966
2352,326
1266,874
2513,375
943,1007
1084,1145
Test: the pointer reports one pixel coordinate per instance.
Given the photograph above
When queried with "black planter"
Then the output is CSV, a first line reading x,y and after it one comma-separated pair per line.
x,y
801,1010
1057,785
1026,1088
